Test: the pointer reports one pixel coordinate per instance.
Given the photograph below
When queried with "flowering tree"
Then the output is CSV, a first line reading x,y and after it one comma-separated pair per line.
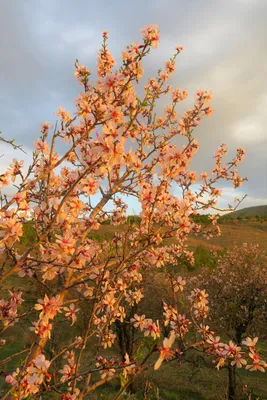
x,y
117,146
238,303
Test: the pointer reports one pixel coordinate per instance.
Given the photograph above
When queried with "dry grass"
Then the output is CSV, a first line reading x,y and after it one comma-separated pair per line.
x,y
234,234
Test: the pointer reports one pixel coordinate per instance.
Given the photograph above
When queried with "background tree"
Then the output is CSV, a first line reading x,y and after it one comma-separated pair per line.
x,y
238,297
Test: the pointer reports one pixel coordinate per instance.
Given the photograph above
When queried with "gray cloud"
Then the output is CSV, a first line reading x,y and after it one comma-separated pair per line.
x,y
225,51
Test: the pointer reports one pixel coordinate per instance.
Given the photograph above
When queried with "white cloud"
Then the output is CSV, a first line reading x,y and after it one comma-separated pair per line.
x,y
253,127
229,193
225,52
250,129
76,35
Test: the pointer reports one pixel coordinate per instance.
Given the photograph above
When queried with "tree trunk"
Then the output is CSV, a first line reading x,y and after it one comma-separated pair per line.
x,y
125,337
232,382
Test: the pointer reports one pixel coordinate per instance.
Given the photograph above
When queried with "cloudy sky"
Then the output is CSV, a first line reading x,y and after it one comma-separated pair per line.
x,y
224,51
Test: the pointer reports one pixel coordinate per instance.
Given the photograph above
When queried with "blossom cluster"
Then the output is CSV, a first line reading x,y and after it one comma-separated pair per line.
x,y
9,308
28,382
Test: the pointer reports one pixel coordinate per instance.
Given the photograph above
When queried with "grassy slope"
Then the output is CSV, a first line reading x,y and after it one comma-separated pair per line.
x,y
235,232
250,212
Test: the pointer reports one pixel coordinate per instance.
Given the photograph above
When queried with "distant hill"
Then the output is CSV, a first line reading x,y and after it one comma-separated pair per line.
x,y
249,212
